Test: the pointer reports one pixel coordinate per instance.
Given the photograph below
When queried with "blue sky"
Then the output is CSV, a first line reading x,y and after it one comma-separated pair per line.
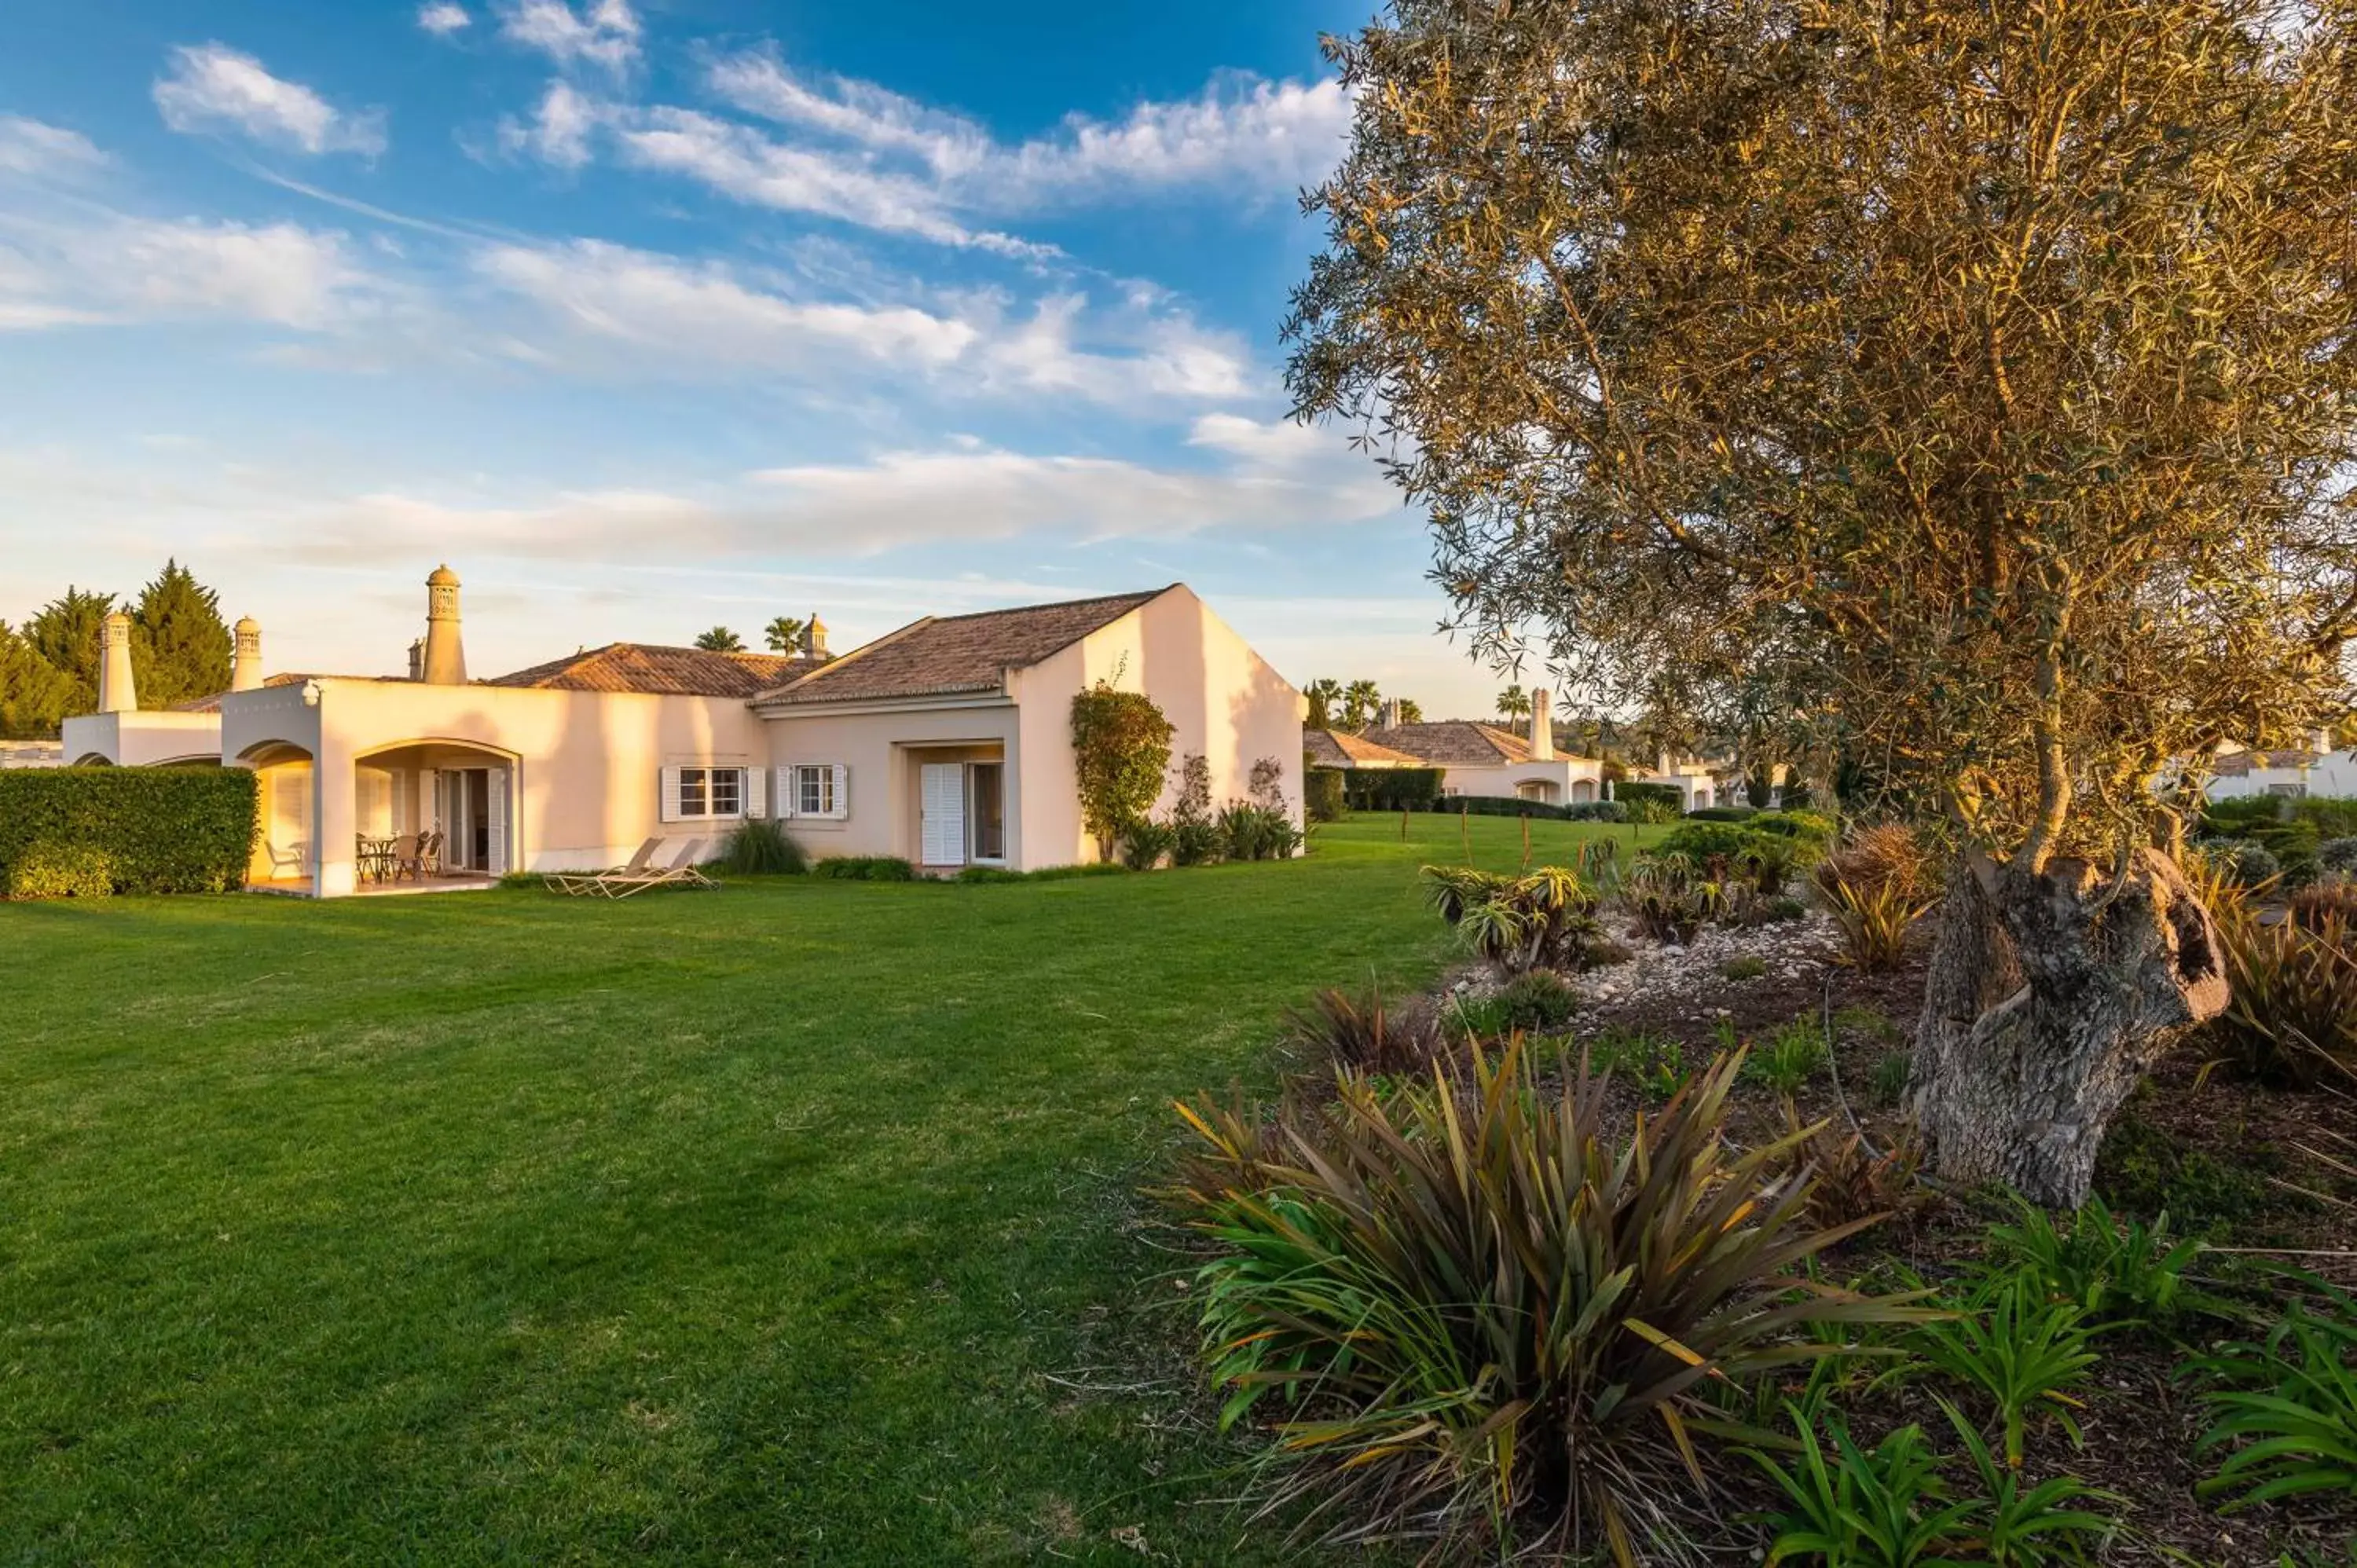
x,y
652,314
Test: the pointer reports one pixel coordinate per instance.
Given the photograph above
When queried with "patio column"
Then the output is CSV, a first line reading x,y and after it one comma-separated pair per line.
x,y
335,817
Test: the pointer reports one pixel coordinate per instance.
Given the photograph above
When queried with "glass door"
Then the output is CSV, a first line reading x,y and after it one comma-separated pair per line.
x,y
986,794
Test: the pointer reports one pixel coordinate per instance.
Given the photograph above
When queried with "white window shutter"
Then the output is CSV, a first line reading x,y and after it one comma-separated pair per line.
x,y
754,804
841,792
498,822
789,802
671,794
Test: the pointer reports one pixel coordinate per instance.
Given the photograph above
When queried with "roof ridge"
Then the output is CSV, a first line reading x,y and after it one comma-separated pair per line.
x,y
1141,596
841,660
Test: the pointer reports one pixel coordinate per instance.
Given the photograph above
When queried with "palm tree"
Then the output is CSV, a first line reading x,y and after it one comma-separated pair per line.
x,y
1325,695
1513,703
785,634
720,640
1410,711
1361,702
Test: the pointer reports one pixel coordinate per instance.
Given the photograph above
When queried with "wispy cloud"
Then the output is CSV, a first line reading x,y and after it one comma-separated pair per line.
x,y
1271,136
601,33
613,307
210,87
32,150
557,133
121,269
442,18
858,153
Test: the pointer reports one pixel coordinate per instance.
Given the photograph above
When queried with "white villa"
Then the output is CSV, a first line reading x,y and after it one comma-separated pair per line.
x,y
947,742
1475,759
2317,770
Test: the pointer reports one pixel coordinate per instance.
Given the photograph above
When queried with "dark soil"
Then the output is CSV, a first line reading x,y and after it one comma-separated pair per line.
x,y
2240,1164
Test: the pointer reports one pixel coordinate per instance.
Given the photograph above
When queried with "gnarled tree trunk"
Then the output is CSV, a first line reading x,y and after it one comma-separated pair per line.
x,y
2049,996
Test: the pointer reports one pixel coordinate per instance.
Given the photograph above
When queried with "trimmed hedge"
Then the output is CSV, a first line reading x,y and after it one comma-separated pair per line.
x,y
1325,796
1650,802
1392,788
865,868
1723,814
85,833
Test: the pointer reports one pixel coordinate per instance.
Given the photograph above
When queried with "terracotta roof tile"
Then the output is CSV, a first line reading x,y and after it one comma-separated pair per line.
x,y
939,657
1453,743
650,671
1341,748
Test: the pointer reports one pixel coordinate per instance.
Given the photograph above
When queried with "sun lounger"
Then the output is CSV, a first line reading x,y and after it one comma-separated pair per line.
x,y
578,883
683,872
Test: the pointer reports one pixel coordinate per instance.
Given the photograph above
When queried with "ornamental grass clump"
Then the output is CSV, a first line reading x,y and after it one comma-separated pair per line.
x,y
1877,886
2292,1017
1465,1309
1543,920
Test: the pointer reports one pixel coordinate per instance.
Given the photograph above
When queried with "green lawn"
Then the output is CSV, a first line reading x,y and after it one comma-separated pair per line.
x,y
789,1223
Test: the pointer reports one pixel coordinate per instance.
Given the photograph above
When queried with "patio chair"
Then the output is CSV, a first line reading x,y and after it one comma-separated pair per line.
x,y
684,872
574,883
293,860
417,856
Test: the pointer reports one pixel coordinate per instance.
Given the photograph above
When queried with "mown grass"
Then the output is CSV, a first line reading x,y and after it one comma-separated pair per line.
x,y
794,1222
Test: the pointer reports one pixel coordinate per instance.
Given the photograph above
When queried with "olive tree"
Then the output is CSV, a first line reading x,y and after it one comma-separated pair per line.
x,y
1991,364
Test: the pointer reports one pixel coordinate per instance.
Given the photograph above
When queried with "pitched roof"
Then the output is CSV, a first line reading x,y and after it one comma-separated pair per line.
x,y
1341,748
1454,743
949,654
650,671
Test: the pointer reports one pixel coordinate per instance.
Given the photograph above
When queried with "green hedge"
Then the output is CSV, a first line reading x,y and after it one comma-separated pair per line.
x,y
89,831
1392,788
1325,798
1650,802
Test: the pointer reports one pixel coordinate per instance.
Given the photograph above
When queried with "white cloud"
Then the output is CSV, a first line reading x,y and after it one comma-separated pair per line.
x,y
210,86
121,269
623,308
558,132
1276,135
705,315
1241,133
603,33
864,154
741,163
36,151
442,18
860,112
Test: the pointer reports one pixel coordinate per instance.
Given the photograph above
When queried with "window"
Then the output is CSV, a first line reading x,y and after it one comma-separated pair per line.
x,y
815,790
711,792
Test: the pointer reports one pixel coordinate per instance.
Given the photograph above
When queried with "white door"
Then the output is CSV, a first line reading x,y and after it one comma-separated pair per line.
x,y
941,814
498,857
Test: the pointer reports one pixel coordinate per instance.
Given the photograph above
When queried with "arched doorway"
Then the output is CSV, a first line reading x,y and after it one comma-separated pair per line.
x,y
455,798
285,851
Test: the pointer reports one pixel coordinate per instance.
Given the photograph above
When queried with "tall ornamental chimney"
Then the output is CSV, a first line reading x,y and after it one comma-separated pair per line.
x,y
245,666
417,658
116,695
444,663
1391,719
1542,726
814,637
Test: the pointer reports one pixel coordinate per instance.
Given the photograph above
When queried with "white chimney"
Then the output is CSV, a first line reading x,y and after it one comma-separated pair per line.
x,y
444,661
116,695
1542,726
246,665
814,637
1391,716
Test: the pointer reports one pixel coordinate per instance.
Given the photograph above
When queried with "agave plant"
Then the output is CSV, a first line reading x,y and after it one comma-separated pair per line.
x,y
1670,895
2293,1015
1464,1307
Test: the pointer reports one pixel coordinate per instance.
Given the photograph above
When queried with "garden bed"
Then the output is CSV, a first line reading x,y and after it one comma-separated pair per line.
x,y
2246,1169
